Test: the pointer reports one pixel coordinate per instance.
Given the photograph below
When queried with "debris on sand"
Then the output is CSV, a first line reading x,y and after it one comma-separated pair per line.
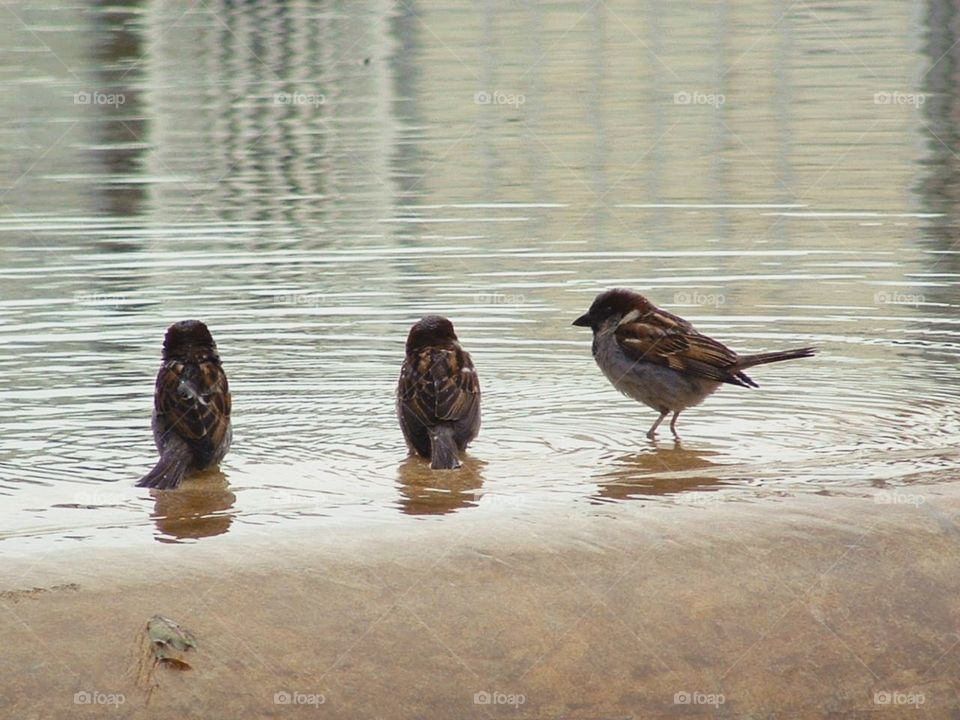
x,y
170,642
163,642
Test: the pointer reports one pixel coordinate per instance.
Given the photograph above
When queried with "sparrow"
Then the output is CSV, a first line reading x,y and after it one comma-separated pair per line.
x,y
191,406
659,359
438,394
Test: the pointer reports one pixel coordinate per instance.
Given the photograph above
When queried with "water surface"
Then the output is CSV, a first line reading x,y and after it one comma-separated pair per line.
x,y
309,179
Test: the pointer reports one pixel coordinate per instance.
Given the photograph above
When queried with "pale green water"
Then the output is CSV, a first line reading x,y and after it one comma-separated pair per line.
x,y
309,231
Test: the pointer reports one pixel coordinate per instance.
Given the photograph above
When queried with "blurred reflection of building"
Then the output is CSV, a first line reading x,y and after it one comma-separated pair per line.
x,y
940,186
941,111
274,112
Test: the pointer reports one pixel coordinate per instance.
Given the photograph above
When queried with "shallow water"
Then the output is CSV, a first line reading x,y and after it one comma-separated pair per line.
x,y
780,175
809,606
311,178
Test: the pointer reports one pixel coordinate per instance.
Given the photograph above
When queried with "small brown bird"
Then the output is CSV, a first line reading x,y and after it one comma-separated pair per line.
x,y
438,395
659,359
191,415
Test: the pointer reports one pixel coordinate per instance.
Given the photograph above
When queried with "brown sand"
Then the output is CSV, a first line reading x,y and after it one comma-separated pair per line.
x,y
782,607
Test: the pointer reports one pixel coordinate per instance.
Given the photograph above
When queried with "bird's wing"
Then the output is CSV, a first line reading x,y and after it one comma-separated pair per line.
x,y
664,339
440,385
195,401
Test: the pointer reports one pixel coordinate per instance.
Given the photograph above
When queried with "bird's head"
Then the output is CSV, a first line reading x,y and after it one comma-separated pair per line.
x,y
612,304
186,337
430,330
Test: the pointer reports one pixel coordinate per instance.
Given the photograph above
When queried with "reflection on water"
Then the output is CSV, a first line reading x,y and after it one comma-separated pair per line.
x,y
310,179
664,471
940,196
200,509
425,492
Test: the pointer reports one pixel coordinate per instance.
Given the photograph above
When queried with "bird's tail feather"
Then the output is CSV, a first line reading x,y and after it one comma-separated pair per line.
x,y
749,361
443,449
175,460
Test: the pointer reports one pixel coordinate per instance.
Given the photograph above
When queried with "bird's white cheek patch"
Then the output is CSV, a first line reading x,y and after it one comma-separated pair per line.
x,y
629,318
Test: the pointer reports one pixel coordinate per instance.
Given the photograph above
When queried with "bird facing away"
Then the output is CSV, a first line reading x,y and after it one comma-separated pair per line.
x,y
438,394
659,359
191,406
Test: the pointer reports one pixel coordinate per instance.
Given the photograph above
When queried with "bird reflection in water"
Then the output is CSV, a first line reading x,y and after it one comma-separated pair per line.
x,y
197,509
660,471
431,492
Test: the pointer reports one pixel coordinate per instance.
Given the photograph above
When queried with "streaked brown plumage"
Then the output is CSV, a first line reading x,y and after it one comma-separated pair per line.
x,y
191,417
659,358
438,394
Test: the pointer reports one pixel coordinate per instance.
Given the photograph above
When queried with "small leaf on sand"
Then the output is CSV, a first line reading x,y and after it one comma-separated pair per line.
x,y
169,641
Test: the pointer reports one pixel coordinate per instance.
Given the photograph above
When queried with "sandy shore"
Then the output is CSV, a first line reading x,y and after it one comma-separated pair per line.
x,y
782,606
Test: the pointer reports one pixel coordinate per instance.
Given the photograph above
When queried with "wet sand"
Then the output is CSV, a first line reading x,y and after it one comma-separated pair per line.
x,y
792,606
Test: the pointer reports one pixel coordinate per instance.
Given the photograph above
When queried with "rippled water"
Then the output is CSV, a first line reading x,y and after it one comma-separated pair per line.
x,y
311,179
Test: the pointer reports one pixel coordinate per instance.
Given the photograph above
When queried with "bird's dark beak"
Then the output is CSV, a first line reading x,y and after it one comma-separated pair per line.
x,y
584,321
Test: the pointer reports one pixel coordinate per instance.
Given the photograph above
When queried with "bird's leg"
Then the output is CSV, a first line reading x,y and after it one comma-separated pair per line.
x,y
673,424
652,432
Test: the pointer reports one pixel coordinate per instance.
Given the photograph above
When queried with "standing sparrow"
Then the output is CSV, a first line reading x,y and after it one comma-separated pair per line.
x,y
191,415
659,359
438,395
